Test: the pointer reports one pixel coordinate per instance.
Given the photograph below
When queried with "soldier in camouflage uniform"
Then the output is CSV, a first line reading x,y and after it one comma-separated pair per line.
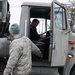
x,y
20,60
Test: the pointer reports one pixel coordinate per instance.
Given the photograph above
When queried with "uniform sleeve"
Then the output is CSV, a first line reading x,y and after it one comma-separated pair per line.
x,y
35,49
15,53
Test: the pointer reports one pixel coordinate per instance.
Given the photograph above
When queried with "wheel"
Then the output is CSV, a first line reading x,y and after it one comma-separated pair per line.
x,y
60,70
72,71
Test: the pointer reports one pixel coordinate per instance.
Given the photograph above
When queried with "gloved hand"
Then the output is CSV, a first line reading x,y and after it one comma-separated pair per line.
x,y
10,73
40,55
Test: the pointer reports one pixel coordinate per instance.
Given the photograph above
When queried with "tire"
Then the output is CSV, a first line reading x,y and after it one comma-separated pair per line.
x,y
72,71
60,70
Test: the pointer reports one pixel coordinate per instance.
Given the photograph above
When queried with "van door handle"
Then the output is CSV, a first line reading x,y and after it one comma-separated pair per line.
x,y
53,45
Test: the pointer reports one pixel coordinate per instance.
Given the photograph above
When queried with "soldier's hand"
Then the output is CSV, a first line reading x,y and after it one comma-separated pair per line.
x,y
41,55
10,73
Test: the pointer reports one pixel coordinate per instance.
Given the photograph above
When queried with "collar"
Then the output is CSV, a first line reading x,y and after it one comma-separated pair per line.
x,y
17,36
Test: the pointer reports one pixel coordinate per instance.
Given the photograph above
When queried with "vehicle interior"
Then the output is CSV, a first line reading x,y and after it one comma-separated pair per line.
x,y
43,15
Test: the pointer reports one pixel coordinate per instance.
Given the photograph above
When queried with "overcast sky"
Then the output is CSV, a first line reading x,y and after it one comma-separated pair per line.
x,y
15,8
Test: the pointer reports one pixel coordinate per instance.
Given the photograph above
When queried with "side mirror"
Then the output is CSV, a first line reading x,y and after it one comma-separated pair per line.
x,y
73,28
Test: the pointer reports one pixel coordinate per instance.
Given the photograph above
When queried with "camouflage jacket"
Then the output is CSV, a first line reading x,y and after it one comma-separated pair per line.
x,y
20,61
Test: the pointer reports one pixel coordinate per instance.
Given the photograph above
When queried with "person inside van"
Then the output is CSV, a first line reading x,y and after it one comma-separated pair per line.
x,y
40,40
33,31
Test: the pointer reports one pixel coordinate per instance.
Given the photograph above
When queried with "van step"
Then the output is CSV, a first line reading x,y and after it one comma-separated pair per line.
x,y
44,71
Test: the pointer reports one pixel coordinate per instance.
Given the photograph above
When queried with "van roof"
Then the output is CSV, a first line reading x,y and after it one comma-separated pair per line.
x,y
36,4
39,10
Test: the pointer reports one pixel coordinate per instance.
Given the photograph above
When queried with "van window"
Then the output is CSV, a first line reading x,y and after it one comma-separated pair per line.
x,y
59,17
41,28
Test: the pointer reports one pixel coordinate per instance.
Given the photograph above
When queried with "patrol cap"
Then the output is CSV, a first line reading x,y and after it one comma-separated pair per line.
x,y
14,29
